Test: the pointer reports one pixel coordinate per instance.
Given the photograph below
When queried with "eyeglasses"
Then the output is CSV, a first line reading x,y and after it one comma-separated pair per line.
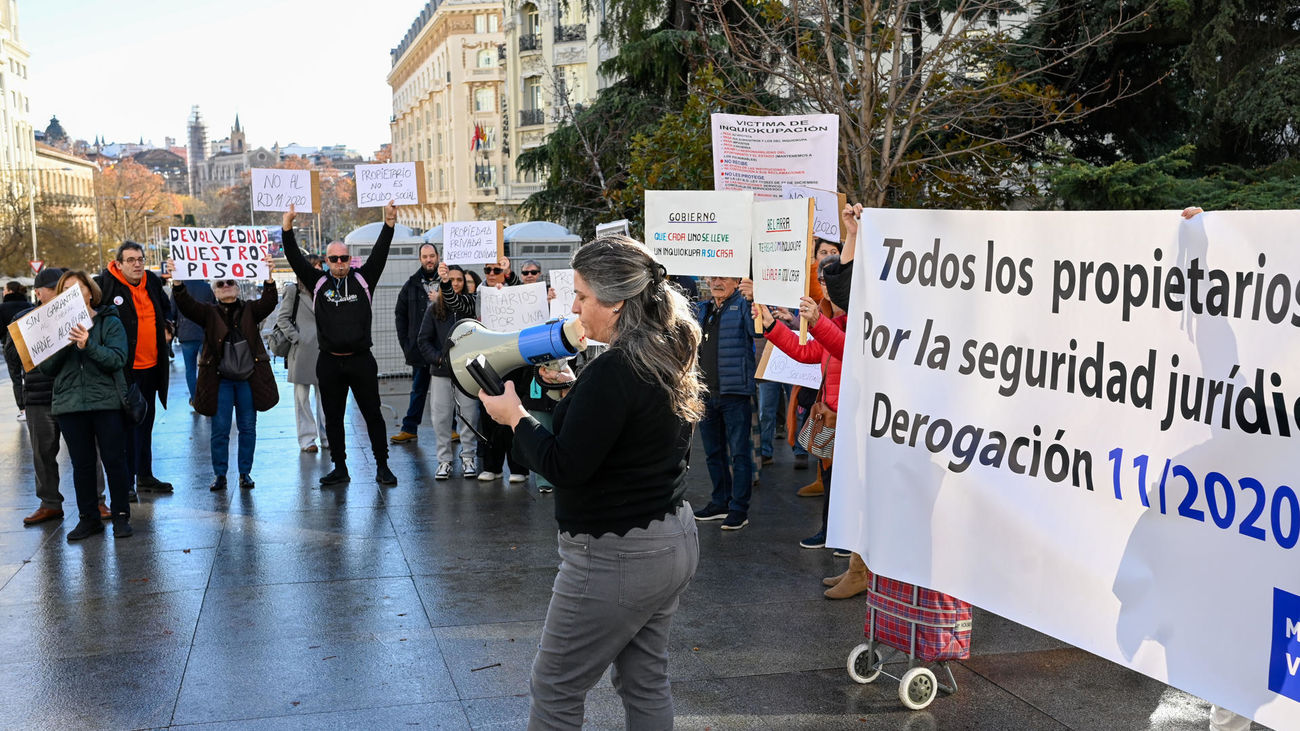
x,y
338,259
531,272
493,270
133,260
225,283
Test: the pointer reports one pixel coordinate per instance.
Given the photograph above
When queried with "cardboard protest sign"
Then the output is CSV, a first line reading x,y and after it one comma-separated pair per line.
x,y
562,283
782,232
613,227
275,189
513,308
399,182
826,214
775,365
760,153
44,331
700,232
473,242
220,253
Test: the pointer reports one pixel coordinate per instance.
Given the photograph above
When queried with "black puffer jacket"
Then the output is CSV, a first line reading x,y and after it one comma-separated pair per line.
x,y
431,342
38,387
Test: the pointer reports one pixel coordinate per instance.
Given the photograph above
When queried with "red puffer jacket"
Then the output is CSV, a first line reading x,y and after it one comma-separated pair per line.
x,y
826,347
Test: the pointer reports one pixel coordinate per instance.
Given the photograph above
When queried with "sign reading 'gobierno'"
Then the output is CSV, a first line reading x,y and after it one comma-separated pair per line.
x,y
700,232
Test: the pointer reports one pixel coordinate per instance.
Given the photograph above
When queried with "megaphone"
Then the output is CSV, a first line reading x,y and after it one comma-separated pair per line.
x,y
553,340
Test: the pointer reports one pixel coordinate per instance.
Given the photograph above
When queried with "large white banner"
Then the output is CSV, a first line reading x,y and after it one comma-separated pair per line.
x,y
1088,423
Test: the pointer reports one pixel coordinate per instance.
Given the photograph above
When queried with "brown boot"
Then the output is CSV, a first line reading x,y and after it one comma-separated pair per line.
x,y
856,580
833,580
812,489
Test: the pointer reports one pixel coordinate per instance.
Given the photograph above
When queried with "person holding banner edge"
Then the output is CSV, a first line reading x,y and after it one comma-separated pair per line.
x,y
341,300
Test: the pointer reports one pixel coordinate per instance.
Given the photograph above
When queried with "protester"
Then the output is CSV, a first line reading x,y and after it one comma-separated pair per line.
x,y
138,296
87,401
234,371
341,299
190,333
472,281
451,304
727,370
617,455
14,301
498,438
499,275
297,320
421,289
42,427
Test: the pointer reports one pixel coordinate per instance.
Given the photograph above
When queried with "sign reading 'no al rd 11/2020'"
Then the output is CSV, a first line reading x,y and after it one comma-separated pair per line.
x,y
220,253
700,232
275,189
399,182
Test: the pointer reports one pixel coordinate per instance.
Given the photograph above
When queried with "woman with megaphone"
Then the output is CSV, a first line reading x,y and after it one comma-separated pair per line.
x,y
616,454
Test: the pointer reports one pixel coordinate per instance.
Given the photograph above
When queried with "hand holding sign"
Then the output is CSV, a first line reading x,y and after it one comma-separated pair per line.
x,y
286,221
809,311
390,214
79,335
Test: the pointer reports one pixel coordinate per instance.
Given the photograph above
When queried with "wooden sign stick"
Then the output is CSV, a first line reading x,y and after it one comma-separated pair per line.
x,y
810,265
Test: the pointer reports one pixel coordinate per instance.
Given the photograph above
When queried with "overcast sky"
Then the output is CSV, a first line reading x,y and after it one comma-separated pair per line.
x,y
306,71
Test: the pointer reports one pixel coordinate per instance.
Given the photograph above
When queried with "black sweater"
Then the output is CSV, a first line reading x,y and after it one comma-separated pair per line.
x,y
342,306
618,454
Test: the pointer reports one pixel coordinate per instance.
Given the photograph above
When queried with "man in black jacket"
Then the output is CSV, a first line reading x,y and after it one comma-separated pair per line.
x,y
144,308
412,301
15,301
341,301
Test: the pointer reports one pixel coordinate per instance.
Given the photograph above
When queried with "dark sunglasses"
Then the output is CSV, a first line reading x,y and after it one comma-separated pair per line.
x,y
337,259
225,283
531,272
493,270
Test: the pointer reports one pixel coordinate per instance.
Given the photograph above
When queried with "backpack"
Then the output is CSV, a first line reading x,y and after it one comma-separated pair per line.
x,y
278,339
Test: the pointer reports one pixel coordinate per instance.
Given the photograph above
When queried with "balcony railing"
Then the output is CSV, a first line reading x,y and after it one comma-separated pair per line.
x,y
530,42
501,52
531,117
565,33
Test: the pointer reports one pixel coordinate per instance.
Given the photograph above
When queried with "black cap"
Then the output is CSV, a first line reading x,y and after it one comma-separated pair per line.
x,y
48,277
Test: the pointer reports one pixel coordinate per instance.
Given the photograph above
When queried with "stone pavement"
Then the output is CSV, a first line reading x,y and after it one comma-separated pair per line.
x,y
290,606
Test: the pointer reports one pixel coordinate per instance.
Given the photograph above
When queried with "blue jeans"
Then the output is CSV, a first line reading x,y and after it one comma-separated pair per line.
x,y
725,433
419,395
190,351
769,413
236,396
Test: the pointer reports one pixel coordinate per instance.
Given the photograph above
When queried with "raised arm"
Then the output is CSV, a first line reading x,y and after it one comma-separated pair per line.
x,y
306,273
265,304
374,266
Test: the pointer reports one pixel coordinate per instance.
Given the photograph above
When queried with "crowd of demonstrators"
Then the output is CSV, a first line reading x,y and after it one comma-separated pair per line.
x,y
450,303
190,333
143,308
234,371
341,299
297,321
421,289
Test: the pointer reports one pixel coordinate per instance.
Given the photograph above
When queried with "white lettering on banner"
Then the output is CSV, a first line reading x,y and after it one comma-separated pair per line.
x,y
700,232
1086,422
220,253
759,154
44,331
470,242
513,308
275,189
562,283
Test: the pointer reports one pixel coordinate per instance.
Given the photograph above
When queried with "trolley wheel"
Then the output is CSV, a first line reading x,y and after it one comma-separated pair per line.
x,y
864,668
917,688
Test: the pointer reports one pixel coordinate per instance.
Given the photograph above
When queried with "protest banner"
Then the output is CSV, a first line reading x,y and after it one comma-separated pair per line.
x,y
399,182
473,242
514,308
275,189
700,232
775,365
562,283
782,231
1086,422
44,331
238,252
826,214
619,227
758,154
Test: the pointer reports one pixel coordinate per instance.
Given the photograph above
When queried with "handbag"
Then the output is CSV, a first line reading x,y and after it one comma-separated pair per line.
x,y
236,358
133,403
278,340
818,433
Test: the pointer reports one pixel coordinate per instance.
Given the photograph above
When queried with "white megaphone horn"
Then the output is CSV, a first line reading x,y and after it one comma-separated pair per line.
x,y
469,339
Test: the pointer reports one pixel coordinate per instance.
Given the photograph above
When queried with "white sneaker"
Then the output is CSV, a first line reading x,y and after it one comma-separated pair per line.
x,y
22,415
444,471
518,478
468,468
486,476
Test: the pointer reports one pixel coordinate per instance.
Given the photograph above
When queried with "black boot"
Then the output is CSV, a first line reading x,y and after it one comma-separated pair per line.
x,y
338,476
218,484
122,526
385,476
246,481
86,529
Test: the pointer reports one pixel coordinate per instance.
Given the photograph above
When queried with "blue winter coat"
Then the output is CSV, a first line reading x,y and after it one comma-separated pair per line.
x,y
736,362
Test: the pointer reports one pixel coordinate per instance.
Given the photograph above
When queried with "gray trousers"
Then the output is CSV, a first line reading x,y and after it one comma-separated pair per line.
x,y
445,397
43,433
613,602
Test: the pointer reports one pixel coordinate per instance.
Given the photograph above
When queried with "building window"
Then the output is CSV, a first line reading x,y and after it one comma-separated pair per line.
x,y
486,59
486,23
484,99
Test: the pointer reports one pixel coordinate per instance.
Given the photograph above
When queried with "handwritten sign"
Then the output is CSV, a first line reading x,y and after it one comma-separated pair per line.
x,y
562,283
826,215
700,232
514,308
760,153
619,228
775,365
473,242
274,189
220,253
782,231
44,331
400,182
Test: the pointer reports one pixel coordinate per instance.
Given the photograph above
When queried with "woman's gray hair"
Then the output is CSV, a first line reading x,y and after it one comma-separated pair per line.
x,y
656,326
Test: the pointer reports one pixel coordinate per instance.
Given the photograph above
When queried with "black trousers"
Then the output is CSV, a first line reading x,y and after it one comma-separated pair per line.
x,y
335,374
104,432
496,449
139,442
16,375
